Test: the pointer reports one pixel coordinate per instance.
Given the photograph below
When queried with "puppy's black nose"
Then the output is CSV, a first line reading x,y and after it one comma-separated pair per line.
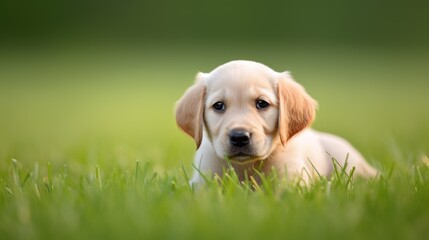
x,y
239,138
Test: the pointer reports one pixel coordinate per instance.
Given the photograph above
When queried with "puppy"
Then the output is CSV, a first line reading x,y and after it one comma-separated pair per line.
x,y
257,119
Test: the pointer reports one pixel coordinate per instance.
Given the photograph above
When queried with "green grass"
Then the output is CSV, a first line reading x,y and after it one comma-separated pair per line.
x,y
139,202
89,148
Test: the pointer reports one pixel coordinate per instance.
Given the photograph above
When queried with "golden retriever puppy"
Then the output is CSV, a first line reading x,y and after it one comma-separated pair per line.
x,y
257,119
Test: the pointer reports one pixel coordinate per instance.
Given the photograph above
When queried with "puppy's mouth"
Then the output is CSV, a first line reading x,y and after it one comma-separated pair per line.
x,y
242,157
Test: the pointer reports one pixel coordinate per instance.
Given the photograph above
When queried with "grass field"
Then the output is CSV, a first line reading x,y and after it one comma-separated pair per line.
x,y
89,148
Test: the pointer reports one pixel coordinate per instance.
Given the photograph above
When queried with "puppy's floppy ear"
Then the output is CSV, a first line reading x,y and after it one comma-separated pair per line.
x,y
296,108
190,110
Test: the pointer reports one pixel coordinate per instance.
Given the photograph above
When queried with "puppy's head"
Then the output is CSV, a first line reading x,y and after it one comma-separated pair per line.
x,y
246,108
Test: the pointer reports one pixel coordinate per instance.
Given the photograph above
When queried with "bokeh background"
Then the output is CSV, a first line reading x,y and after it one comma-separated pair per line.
x,y
95,82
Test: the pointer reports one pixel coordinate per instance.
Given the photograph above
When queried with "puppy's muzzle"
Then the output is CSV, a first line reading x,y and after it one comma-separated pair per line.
x,y
239,138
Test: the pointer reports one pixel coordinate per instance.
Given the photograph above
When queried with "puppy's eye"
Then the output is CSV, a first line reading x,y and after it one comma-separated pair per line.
x,y
219,106
260,104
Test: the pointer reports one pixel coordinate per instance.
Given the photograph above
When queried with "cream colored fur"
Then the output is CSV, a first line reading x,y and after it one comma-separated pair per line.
x,y
279,135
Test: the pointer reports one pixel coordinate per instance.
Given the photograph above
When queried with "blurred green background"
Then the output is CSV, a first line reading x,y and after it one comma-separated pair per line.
x,y
359,22
95,82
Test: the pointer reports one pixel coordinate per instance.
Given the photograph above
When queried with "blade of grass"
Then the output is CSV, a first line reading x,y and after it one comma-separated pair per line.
x,y
136,174
16,178
98,176
185,175
315,169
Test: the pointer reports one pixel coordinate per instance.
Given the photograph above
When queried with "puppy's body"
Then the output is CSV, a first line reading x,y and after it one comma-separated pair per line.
x,y
305,152
258,119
